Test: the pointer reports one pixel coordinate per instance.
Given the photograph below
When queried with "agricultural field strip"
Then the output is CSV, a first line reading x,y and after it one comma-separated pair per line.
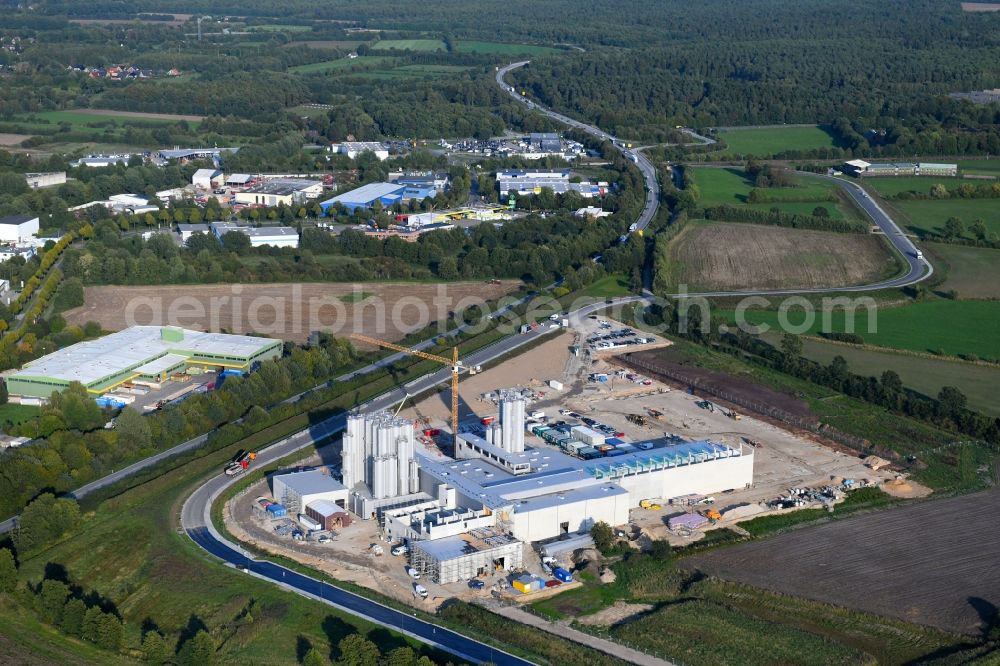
x,y
930,563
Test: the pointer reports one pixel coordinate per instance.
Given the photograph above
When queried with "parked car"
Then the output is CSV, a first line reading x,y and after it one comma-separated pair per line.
x,y
476,584
413,573
401,549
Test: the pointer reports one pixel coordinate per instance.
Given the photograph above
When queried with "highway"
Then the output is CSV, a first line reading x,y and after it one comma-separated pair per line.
x,y
641,161
196,511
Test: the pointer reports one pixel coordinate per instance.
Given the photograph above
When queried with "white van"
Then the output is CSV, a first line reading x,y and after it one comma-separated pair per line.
x,y
401,549
421,590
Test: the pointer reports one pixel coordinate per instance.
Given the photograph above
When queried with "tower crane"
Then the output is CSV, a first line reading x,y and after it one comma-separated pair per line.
x,y
453,362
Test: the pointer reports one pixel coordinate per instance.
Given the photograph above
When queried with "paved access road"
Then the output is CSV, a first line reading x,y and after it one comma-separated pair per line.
x,y
918,268
197,523
645,166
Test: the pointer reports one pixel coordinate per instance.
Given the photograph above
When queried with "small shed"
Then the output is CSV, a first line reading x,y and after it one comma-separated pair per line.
x,y
328,514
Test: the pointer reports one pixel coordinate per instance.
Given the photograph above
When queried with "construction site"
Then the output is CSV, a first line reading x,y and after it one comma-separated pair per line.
x,y
488,489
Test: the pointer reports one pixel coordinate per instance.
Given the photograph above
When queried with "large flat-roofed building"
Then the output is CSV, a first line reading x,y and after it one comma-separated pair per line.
x,y
386,193
354,148
524,183
465,556
150,353
297,490
36,180
546,142
259,236
541,493
18,228
280,191
861,169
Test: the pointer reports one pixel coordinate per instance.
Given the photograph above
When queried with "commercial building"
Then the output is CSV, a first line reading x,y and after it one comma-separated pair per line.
x,y
862,169
36,180
354,148
186,154
150,353
591,212
386,193
207,179
259,236
187,230
463,557
542,494
239,180
277,191
18,228
297,491
525,183
98,161
545,142
427,180
378,461
8,252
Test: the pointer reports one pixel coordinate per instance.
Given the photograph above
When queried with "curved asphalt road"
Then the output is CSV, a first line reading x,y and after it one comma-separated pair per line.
x,y
918,268
197,523
640,160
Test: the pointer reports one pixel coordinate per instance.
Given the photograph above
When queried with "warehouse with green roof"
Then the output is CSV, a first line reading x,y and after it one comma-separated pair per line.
x,y
148,353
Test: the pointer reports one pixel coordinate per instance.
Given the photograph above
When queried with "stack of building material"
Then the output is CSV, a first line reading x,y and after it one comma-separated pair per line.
x,y
691,521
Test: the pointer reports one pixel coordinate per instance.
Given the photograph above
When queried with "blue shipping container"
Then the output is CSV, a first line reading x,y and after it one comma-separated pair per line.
x,y
277,510
615,452
614,441
562,575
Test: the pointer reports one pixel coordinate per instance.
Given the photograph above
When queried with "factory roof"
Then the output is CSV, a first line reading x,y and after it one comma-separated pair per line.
x,y
451,547
311,482
162,364
192,228
283,186
268,232
206,173
936,165
360,146
239,178
555,472
180,153
858,164
94,360
558,498
368,193
17,219
325,507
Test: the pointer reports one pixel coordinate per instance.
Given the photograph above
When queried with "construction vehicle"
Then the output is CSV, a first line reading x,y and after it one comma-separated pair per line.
x,y
240,464
655,413
453,362
637,419
713,515
705,404
651,504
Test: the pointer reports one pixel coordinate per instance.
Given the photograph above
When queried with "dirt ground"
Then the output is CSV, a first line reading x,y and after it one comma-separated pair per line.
x,y
741,256
139,114
616,613
532,369
934,563
289,311
785,460
13,139
745,388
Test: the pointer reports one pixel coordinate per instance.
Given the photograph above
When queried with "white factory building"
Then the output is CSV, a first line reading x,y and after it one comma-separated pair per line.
x,y
379,466
297,490
18,228
544,493
354,148
259,236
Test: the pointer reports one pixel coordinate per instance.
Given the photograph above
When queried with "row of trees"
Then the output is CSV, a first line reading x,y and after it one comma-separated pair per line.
x,y
949,410
819,220
72,447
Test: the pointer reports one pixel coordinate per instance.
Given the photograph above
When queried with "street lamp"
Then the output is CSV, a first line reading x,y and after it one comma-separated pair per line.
x,y
200,19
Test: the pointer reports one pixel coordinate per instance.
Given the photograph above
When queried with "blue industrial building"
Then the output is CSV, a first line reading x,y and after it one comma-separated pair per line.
x,y
387,193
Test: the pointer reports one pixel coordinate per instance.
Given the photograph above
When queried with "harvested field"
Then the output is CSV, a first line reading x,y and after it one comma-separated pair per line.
x,y
722,256
287,311
980,7
932,563
674,361
139,115
13,139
